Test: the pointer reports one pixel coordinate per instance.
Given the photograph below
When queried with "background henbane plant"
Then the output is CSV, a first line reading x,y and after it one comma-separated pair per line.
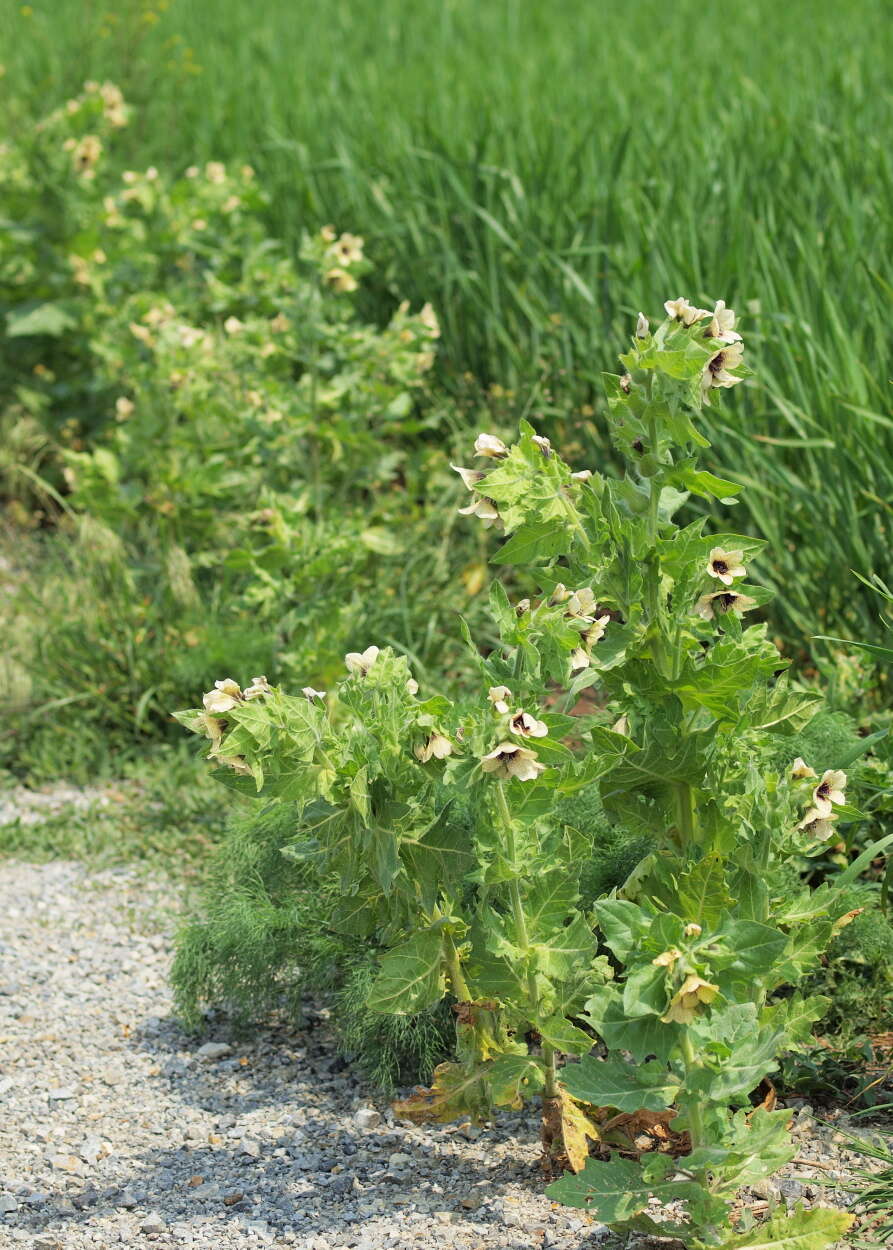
x,y
523,202
706,937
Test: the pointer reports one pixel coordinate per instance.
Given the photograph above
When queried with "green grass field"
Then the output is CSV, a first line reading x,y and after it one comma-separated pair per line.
x,y
540,171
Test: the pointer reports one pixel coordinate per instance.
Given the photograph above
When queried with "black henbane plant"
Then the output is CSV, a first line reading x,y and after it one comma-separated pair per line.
x,y
678,972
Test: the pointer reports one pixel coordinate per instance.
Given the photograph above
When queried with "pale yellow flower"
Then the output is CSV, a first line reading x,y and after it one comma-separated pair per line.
x,y
499,696
580,658
817,826
235,762
215,171
233,325
582,475
691,995
722,324
596,632
483,508
527,726
85,155
726,565
280,323
509,760
231,204
667,959
348,250
681,310
560,594
328,234
543,443
437,747
143,333
692,930
310,694
190,336
641,326
224,697
490,445
341,280
829,792
259,686
722,601
359,663
717,371
412,686
801,770
123,407
582,604
213,729
428,318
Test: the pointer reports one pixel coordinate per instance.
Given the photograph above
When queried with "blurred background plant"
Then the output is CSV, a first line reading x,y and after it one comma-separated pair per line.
x,y
547,200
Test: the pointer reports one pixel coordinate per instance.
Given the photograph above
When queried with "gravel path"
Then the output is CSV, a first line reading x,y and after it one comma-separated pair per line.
x,y
117,1129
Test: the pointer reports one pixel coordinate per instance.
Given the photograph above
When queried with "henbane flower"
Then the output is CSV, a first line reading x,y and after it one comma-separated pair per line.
x,y
827,795
509,760
348,250
224,697
470,477
717,371
359,662
499,697
722,601
437,747
490,445
726,565
528,726
484,508
340,280
259,686
722,324
681,310
688,999
667,959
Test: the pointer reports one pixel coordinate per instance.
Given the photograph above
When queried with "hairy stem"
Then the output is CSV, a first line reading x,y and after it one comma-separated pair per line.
x,y
458,983
694,1109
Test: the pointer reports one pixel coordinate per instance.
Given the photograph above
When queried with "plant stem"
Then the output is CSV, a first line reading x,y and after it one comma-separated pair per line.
x,y
520,919
693,1110
686,808
550,1088
454,967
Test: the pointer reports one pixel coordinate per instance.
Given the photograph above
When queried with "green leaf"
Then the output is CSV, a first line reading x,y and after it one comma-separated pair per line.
x,y
802,1230
623,924
645,1036
708,485
754,948
564,1036
613,1191
702,892
616,1192
411,977
535,541
49,318
626,1086
514,1078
